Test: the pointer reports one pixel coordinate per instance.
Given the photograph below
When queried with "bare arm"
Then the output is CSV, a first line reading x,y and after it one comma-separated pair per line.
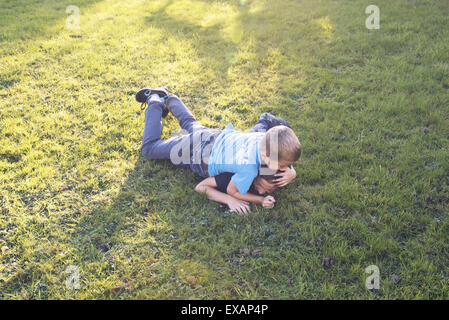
x,y
208,185
266,202
233,191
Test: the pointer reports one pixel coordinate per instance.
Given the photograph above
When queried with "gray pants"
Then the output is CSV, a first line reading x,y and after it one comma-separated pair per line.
x,y
191,150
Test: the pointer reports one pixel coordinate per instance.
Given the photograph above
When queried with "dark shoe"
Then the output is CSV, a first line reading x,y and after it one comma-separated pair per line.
x,y
273,121
143,94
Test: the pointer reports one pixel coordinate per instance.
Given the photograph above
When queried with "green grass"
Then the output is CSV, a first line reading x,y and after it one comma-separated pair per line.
x,y
371,108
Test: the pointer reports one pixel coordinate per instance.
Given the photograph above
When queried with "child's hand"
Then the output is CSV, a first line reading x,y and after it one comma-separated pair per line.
x,y
285,177
268,202
239,206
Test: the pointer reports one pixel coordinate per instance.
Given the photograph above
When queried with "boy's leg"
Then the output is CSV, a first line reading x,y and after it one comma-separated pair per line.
x,y
268,121
185,118
260,126
152,145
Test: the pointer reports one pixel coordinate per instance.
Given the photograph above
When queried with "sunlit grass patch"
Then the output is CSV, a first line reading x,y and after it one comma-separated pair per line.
x,y
369,106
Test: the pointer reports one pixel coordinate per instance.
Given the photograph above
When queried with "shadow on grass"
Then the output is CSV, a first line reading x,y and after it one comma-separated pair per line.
x,y
220,41
208,41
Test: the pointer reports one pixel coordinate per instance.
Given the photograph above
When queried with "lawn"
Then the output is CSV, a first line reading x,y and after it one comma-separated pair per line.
x,y
370,107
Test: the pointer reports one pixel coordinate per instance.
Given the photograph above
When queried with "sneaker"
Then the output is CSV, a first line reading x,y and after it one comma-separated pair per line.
x,y
143,94
274,121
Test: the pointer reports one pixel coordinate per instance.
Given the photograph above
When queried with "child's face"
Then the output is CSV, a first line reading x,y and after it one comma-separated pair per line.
x,y
262,186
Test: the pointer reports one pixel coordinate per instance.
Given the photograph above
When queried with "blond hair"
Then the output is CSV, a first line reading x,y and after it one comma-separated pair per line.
x,y
288,145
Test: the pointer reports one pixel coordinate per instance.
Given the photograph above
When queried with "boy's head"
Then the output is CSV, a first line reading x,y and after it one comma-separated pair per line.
x,y
279,148
265,183
261,186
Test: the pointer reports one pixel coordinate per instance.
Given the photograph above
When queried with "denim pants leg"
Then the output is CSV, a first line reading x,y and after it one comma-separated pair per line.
x,y
181,150
203,142
201,137
261,126
152,145
185,118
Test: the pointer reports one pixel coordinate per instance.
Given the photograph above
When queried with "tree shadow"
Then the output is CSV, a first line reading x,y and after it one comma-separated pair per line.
x,y
209,41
